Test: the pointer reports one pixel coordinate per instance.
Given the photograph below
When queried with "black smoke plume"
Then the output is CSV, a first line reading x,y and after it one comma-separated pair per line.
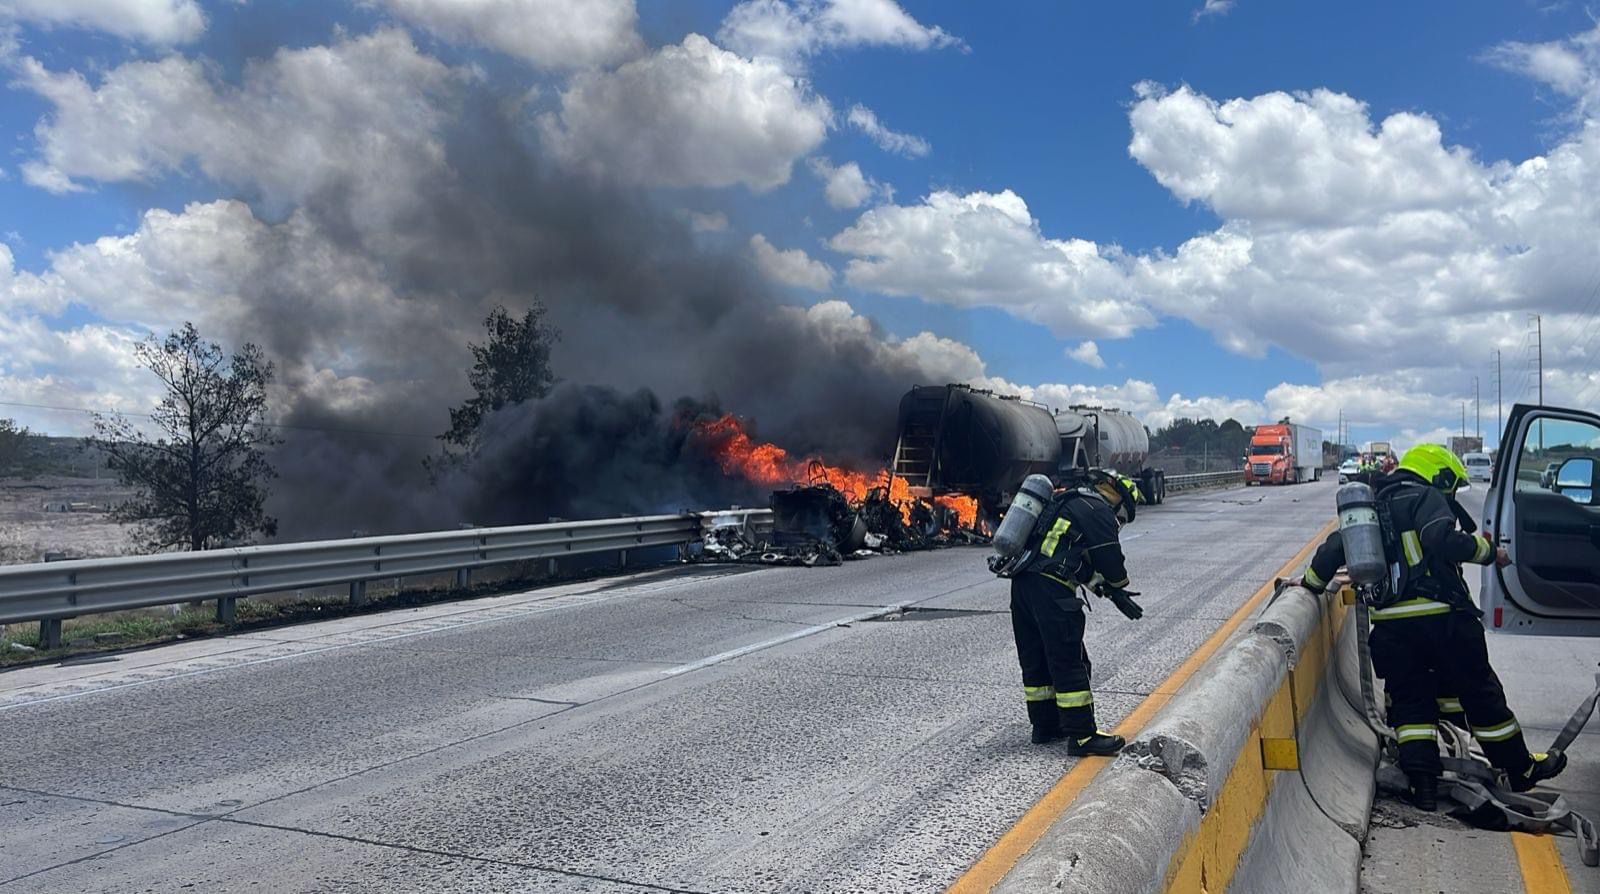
x,y
646,314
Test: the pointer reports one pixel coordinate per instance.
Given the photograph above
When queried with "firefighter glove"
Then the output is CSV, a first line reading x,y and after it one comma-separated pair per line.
x,y
1123,600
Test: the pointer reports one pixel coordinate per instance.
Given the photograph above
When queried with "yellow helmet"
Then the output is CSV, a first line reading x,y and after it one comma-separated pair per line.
x,y
1436,465
1133,488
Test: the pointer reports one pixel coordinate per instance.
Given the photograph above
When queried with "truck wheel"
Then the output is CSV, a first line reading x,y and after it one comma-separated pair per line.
x,y
1161,486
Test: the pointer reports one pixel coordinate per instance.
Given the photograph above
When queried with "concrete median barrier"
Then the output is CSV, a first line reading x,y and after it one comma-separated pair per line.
x,y
1255,777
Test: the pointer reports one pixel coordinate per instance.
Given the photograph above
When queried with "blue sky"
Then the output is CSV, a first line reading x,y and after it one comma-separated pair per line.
x,y
1038,99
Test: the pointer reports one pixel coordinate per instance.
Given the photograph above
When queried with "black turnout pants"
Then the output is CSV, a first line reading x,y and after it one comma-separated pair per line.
x,y
1427,663
1047,620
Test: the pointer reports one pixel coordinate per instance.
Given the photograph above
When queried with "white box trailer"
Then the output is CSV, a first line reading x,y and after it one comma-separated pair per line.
x,y
1307,451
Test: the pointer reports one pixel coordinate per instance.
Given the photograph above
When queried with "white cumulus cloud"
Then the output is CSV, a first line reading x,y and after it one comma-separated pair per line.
x,y
1313,158
1087,353
160,22
547,33
987,249
866,121
791,267
1570,66
791,31
1214,8
845,186
690,114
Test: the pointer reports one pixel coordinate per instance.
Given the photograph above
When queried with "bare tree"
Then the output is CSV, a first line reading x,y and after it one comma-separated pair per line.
x,y
202,480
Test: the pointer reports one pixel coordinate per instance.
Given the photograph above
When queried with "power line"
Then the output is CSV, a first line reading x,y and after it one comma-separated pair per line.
x,y
282,425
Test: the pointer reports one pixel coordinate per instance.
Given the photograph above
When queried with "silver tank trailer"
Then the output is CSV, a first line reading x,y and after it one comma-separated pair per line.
x,y
1124,445
1103,439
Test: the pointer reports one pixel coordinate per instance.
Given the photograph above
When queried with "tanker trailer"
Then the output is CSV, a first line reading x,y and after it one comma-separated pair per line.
x,y
1120,444
957,439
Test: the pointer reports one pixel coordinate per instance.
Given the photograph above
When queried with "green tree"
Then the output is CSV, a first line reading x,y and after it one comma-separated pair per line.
x,y
16,447
202,480
511,366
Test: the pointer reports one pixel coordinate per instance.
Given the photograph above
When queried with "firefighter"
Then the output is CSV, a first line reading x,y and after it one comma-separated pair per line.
x,y
1074,546
1427,638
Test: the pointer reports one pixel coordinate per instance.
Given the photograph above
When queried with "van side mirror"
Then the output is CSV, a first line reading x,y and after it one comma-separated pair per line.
x,y
1575,480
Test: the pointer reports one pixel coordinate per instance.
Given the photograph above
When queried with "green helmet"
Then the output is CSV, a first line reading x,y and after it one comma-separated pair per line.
x,y
1436,465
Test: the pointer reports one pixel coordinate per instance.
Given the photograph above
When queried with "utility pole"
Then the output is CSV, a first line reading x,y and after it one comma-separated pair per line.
x,y
1463,420
1477,410
1499,415
1538,329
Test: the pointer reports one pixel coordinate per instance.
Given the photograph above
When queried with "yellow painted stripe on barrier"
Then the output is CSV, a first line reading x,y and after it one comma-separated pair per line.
x,y
1540,862
990,868
1209,856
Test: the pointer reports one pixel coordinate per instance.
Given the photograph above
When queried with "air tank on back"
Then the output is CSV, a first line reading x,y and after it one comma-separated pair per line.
x,y
1362,534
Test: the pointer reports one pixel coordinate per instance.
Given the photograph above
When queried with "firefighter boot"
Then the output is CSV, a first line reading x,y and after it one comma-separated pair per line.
x,y
1046,722
1100,743
1425,792
1544,766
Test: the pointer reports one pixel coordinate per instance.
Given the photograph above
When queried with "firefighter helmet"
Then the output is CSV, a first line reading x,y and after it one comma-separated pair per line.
x,y
1113,491
1436,465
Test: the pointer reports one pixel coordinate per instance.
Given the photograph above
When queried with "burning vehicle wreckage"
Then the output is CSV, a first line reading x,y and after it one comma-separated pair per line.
x,y
823,514
817,524
959,455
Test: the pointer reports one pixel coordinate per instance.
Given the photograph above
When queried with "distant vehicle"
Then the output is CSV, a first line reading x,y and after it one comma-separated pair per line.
x,y
1552,586
1379,449
1547,478
1479,466
1284,453
1349,469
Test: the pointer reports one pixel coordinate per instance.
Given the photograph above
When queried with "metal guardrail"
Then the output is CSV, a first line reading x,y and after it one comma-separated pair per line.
x,y
1203,479
50,591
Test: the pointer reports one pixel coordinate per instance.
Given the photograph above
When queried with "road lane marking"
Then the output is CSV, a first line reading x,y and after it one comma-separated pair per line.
x,y
998,860
1540,863
791,636
491,615
870,614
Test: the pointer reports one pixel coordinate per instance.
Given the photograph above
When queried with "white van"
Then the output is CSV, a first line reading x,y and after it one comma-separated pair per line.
x,y
1479,465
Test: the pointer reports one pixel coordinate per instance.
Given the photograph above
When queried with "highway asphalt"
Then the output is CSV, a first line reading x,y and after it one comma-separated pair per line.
x,y
1545,678
706,728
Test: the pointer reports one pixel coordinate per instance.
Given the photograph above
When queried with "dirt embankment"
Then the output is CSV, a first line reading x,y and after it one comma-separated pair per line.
x,y
60,515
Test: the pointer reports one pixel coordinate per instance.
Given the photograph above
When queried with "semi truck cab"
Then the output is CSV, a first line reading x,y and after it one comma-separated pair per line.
x,y
1267,462
1283,453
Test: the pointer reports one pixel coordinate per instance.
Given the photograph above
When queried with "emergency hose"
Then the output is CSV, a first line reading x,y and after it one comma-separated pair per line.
x,y
1476,787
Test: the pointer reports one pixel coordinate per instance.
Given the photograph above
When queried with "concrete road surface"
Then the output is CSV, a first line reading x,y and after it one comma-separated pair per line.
x,y
694,729
1545,677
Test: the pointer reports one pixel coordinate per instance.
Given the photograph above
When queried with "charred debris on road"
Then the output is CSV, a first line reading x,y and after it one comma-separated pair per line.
x,y
815,524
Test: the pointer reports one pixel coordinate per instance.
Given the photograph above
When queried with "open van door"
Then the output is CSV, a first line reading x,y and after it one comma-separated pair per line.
x,y
1544,508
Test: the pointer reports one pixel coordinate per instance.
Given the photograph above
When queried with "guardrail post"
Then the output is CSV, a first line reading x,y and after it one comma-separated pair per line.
x,y
554,567
50,633
358,592
463,578
622,558
225,610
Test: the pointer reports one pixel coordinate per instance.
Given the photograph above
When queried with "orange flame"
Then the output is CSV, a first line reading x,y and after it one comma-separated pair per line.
x,y
770,465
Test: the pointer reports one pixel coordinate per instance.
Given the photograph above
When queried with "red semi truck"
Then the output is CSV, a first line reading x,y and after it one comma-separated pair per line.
x,y
1284,453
